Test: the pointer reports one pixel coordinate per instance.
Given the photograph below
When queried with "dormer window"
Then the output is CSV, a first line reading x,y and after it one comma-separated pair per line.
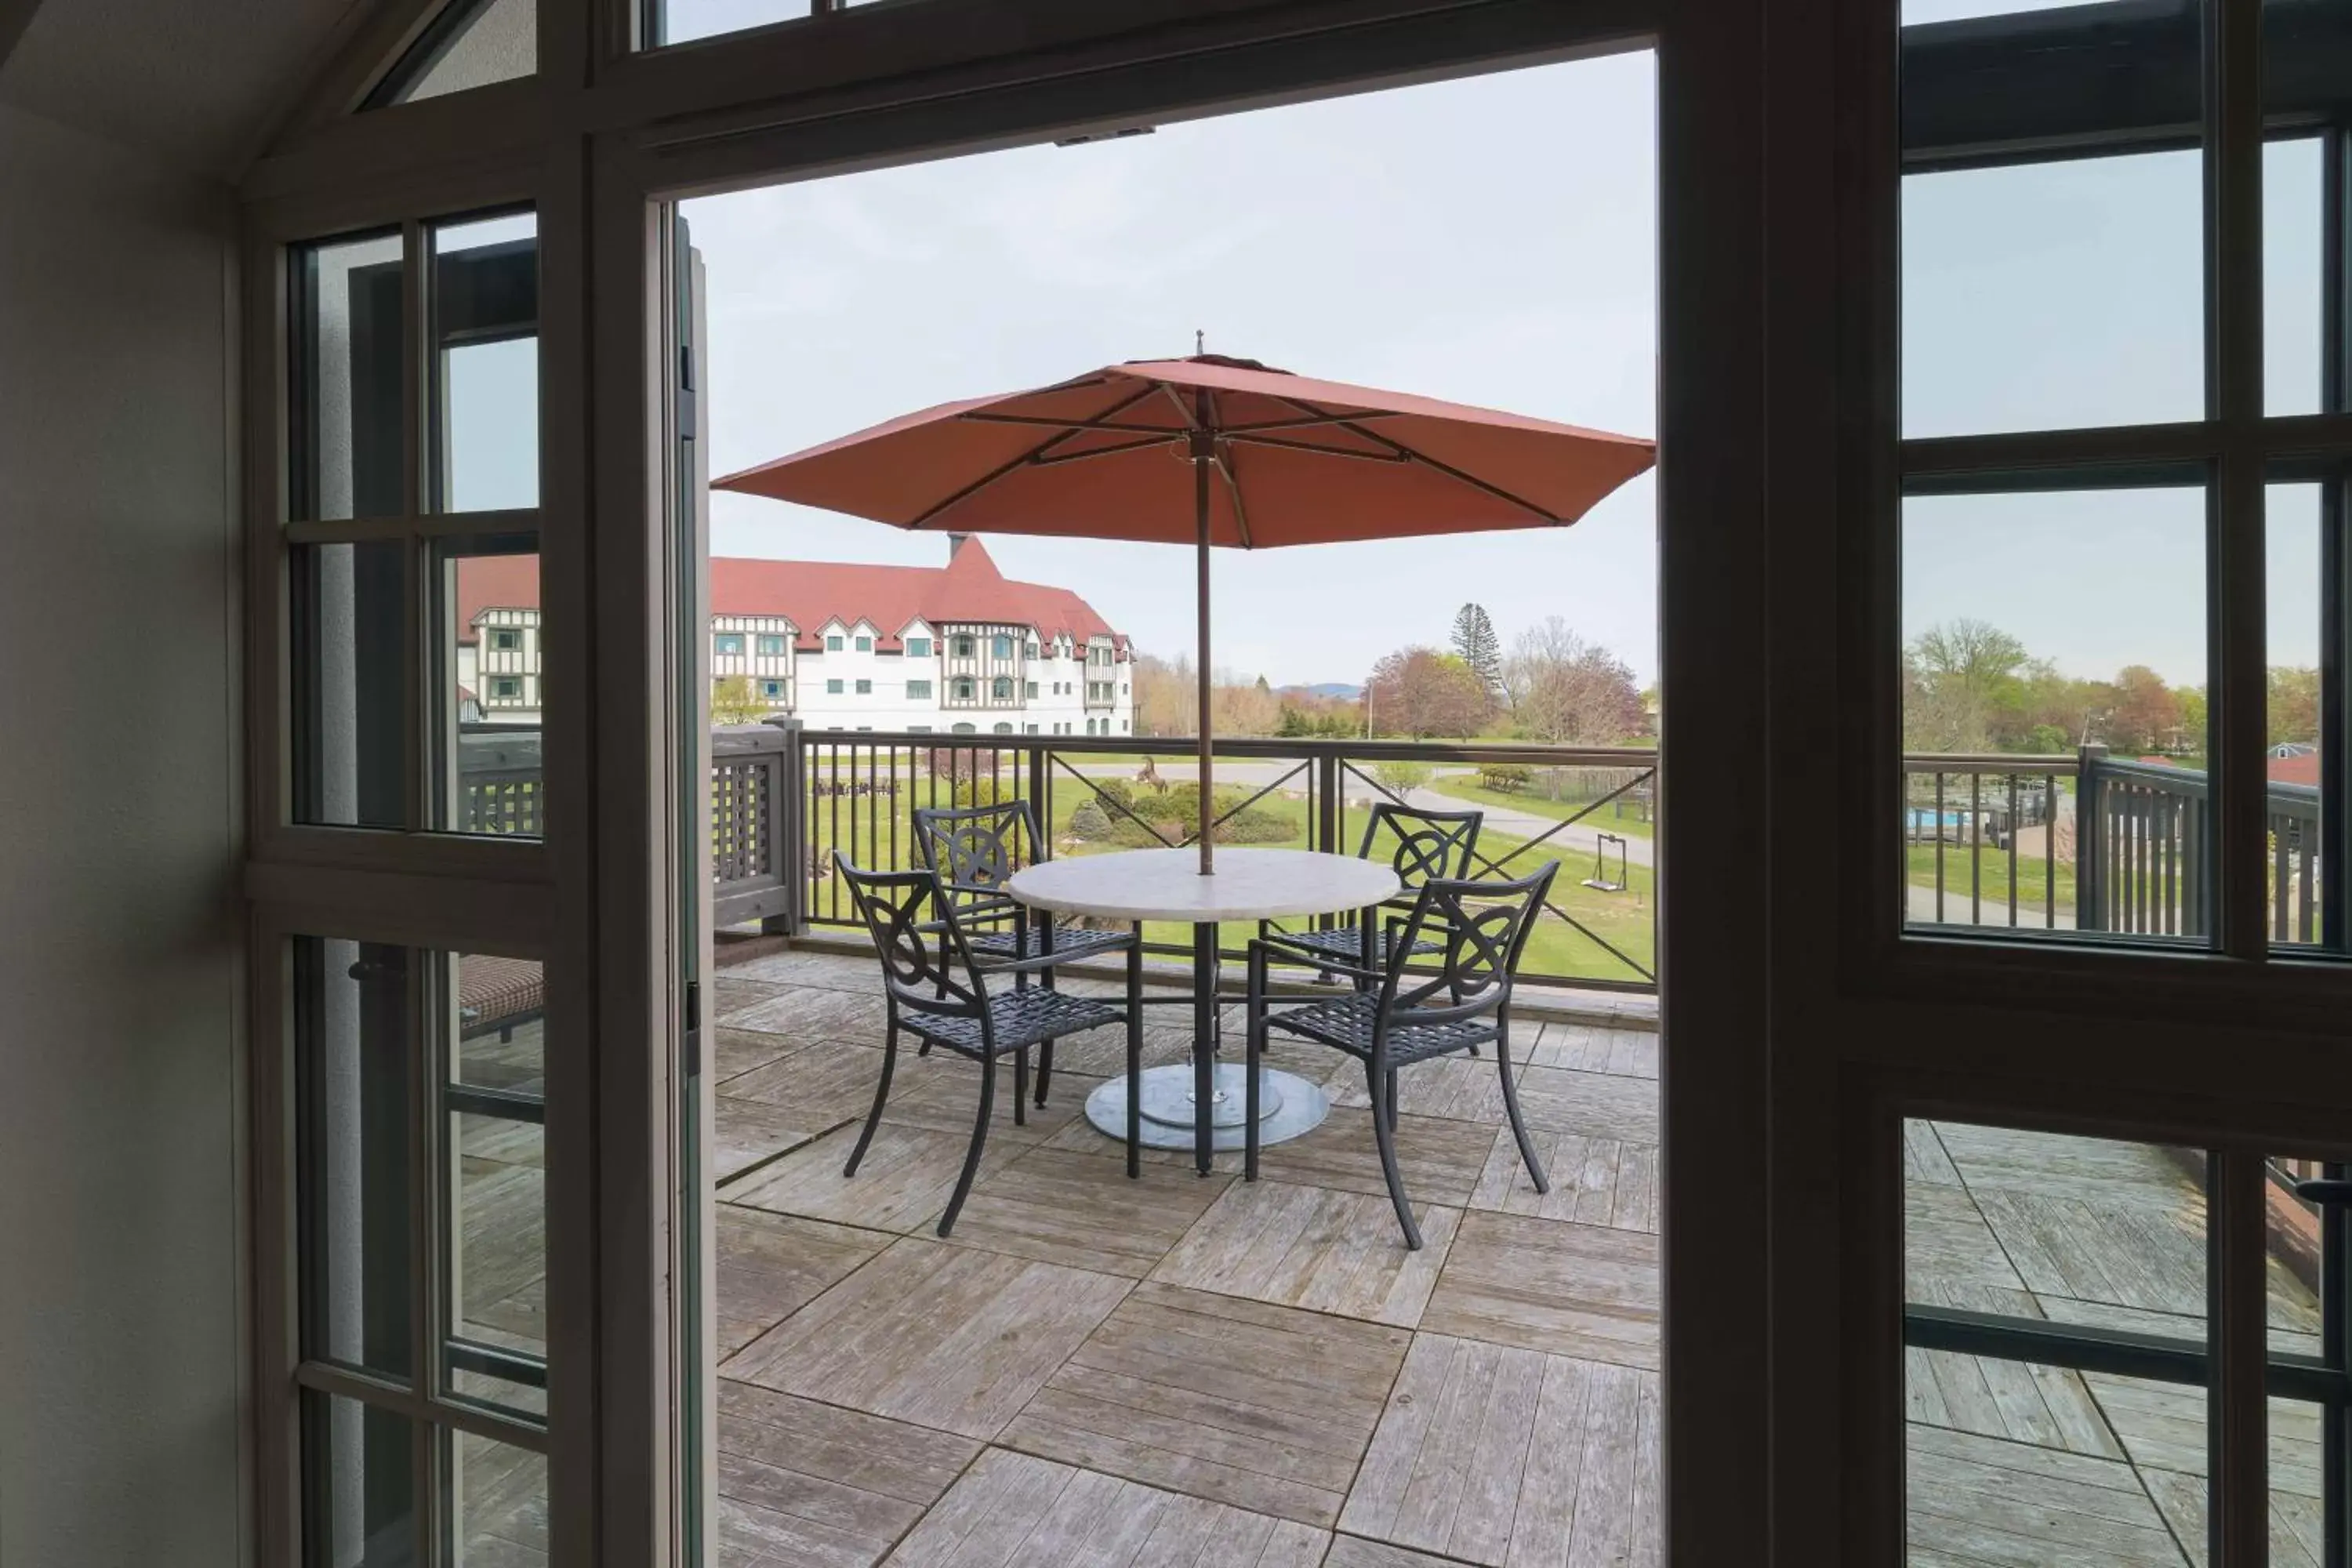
x,y
505,639
832,643
1031,650
919,648
865,644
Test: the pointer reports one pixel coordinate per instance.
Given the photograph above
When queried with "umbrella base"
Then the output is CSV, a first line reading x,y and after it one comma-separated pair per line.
x,y
1288,1106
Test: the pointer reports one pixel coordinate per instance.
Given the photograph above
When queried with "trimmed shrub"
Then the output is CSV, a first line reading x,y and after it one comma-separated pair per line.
x,y
1505,778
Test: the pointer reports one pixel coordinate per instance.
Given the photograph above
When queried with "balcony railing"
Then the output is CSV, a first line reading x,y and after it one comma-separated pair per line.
x,y
2088,842
1588,808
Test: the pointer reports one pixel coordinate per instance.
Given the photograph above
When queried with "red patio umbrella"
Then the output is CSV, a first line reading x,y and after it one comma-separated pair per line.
x,y
1207,450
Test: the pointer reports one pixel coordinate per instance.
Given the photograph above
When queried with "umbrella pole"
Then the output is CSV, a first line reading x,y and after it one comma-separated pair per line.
x,y
1200,459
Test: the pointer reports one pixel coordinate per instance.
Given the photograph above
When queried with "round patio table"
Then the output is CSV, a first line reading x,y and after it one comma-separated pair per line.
x,y
1203,1104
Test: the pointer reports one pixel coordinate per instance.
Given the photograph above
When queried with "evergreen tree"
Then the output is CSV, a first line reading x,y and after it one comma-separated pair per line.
x,y
1481,649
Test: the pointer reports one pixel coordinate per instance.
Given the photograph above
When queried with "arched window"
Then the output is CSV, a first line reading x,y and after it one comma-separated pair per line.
x,y
1002,648
963,688
963,729
1003,687
1002,729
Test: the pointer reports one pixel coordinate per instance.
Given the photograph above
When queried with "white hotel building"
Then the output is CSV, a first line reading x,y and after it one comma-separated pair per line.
x,y
953,649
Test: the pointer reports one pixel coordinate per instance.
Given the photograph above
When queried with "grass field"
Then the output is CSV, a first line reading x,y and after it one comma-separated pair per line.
x,y
1992,868
876,830
1620,816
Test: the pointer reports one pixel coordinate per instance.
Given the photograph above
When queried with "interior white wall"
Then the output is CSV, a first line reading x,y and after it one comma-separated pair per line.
x,y
121,1278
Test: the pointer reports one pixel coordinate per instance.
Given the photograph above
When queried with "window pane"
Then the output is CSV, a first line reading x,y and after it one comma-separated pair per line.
x,y
485,333
491,688
359,1485
2301,1254
2010,1460
2292,536
474,43
345,396
2054,721
2292,275
682,21
495,1215
350,678
2047,1227
496,1503
353,1173
2040,290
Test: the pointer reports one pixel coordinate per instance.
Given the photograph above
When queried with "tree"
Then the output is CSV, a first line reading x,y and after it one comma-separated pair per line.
x,y
1165,701
2146,712
1476,645
1568,691
735,701
1420,692
1961,687
2293,704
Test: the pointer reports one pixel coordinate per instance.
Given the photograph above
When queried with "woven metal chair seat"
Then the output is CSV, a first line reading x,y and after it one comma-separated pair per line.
x,y
1345,1023
1072,942
1022,1018
1345,944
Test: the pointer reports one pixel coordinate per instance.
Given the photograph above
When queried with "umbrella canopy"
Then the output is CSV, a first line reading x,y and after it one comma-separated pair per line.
x,y
1298,461
1208,450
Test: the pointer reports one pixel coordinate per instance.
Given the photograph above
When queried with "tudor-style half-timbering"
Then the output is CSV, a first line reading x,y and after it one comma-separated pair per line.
x,y
498,668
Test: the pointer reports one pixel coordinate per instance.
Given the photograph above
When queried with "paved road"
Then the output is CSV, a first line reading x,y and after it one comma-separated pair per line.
x,y
1251,773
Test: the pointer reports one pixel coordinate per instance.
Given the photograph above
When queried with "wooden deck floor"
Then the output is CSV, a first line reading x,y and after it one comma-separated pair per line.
x,y
1207,1372
1177,1370
2014,1465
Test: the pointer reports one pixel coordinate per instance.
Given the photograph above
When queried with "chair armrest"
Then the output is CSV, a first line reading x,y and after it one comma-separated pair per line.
x,y
1275,950
1044,960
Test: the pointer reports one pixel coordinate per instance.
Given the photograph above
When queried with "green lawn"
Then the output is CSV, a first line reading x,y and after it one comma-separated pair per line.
x,y
1992,868
876,830
1620,816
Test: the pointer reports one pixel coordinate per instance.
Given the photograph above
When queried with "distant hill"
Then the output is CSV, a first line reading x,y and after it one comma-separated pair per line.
x,y
1331,689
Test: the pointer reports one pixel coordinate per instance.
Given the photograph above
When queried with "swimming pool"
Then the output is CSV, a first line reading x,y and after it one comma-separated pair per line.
x,y
1923,817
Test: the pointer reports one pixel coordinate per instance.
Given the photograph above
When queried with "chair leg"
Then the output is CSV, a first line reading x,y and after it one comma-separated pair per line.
x,y
1393,1099
1384,1134
1021,1087
881,1094
1045,1055
1511,1106
1253,1050
979,1142
1135,1058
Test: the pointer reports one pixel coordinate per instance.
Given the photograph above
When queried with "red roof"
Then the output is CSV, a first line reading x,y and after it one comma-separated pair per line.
x,y
2302,769
811,593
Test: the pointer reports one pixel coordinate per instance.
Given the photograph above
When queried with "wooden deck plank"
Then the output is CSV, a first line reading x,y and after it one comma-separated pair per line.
x,y
1016,1510
1268,1408
748,1133
941,1092
1547,1285
1594,1180
818,1013
903,1184
817,1081
1440,1160
1074,1209
1996,1502
825,1484
738,1051
1305,1246
950,1337
1500,1456
771,1265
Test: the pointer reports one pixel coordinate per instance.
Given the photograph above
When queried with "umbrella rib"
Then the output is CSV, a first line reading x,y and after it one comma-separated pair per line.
x,y
1065,432
1233,487
1104,423
1254,425
1448,469
1048,459
1318,451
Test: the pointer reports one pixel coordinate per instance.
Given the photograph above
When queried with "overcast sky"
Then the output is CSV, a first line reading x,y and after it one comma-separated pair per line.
x,y
1491,240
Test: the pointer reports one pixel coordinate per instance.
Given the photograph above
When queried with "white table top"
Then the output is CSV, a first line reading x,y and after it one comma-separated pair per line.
x,y
1167,885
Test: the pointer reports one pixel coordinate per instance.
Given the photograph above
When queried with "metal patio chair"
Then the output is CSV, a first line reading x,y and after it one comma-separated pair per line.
x,y
936,989
1399,1017
975,849
1429,845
